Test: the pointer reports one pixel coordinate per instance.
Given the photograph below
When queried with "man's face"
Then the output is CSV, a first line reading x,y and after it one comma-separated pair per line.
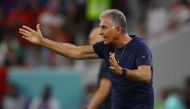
x,y
108,31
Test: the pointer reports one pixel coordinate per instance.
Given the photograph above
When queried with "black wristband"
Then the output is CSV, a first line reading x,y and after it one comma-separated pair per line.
x,y
124,72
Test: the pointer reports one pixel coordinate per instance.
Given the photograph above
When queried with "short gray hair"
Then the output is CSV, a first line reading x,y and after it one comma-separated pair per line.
x,y
117,17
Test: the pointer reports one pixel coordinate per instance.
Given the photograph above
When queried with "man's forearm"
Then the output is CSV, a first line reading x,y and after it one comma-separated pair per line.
x,y
101,93
137,75
97,100
65,49
142,74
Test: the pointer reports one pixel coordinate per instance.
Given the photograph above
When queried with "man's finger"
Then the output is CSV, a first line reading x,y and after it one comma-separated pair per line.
x,y
112,68
111,63
113,60
38,28
27,38
27,28
111,55
23,31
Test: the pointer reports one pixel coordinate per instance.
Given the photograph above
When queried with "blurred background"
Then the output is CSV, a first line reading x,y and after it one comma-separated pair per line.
x,y
30,75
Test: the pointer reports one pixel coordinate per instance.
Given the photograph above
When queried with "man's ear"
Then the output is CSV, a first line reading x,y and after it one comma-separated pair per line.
x,y
118,29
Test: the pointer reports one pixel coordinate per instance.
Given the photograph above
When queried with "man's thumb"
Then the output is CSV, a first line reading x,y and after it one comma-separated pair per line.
x,y
38,28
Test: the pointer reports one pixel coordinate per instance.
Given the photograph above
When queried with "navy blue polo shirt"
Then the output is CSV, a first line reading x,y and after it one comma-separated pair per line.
x,y
128,94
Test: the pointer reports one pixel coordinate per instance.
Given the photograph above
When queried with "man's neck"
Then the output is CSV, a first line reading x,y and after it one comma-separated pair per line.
x,y
122,40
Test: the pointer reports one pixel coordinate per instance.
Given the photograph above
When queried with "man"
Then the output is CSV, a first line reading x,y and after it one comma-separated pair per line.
x,y
13,98
128,58
101,98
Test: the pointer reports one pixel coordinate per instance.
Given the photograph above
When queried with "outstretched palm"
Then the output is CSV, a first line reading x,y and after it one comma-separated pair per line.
x,y
31,35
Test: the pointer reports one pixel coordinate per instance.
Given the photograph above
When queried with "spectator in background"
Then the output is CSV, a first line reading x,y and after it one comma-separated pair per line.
x,y
13,99
11,50
34,57
51,17
174,100
164,95
143,6
157,20
1,22
89,93
180,14
187,92
46,101
101,98
18,16
52,23
3,49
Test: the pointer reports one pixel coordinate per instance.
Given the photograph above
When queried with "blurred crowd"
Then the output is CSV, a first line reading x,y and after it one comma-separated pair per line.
x,y
13,99
175,97
71,21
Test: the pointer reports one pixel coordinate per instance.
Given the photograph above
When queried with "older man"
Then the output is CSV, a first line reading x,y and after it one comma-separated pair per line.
x,y
129,59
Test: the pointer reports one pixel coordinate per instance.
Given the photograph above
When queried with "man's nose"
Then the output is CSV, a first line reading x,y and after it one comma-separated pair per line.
x,y
101,33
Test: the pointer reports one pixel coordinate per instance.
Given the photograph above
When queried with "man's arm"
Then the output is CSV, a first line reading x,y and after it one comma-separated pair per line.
x,y
65,49
142,74
70,50
101,93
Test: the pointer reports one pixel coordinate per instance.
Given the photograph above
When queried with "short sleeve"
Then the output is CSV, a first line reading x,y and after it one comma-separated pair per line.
x,y
143,55
98,49
103,70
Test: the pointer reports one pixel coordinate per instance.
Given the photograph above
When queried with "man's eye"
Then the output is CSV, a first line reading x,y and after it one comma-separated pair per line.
x,y
104,27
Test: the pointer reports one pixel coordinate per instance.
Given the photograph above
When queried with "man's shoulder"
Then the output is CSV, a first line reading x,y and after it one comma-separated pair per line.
x,y
102,45
139,45
139,42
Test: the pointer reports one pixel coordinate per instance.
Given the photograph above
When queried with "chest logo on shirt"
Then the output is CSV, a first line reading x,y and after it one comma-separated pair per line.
x,y
143,57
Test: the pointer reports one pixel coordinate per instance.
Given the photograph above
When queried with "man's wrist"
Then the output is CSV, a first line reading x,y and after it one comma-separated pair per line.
x,y
124,72
41,41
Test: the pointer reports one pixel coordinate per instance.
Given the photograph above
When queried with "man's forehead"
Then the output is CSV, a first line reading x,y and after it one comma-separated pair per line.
x,y
105,21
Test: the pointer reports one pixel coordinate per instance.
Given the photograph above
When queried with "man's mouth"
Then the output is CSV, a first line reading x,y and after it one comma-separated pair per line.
x,y
104,37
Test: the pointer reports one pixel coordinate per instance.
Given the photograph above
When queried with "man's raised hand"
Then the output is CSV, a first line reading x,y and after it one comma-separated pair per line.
x,y
114,66
33,36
